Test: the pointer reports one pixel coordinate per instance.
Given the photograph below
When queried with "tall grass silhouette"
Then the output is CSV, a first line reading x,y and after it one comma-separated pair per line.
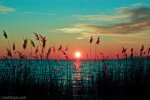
x,y
37,71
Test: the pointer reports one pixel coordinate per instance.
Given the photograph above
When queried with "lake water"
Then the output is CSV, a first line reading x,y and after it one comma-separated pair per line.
x,y
74,80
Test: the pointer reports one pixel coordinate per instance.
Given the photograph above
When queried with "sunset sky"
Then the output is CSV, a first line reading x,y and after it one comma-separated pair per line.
x,y
71,23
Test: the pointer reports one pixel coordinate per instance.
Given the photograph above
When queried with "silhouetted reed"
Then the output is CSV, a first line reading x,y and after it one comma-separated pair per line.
x,y
45,75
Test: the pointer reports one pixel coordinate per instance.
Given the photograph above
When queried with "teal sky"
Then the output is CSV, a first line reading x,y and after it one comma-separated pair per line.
x,y
69,20
44,15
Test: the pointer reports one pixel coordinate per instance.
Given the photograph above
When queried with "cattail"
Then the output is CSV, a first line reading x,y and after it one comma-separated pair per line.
x,y
48,52
124,50
65,54
60,48
36,36
25,43
32,43
36,50
6,37
125,55
142,48
98,40
91,39
148,51
43,42
97,43
41,37
131,49
4,57
9,52
144,52
14,47
141,51
5,34
21,56
54,50
131,55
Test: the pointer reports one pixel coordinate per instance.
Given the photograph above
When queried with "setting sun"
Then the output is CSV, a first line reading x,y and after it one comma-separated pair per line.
x,y
77,54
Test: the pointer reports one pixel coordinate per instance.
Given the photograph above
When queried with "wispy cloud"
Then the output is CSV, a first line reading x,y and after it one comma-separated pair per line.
x,y
79,38
5,9
36,13
137,22
138,4
102,17
74,29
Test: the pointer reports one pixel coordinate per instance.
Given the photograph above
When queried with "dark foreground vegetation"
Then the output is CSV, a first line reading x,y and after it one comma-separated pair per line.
x,y
122,79
35,72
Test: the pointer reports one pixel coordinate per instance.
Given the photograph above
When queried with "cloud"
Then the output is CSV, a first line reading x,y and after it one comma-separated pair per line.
x,y
5,9
101,17
71,30
104,19
137,22
79,38
138,4
36,13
